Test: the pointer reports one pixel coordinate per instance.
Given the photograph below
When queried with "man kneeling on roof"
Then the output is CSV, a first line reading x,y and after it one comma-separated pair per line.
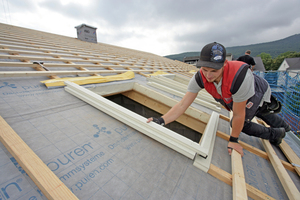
x,y
233,85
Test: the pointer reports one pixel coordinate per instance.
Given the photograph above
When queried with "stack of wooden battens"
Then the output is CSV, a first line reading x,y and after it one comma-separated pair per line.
x,y
20,47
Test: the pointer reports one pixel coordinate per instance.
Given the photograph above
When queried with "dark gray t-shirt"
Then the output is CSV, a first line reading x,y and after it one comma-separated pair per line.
x,y
245,91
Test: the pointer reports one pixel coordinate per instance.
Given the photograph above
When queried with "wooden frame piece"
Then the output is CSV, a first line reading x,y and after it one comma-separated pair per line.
x,y
286,181
167,137
182,79
178,78
91,65
37,170
238,177
112,89
163,99
288,151
224,176
181,88
208,141
193,118
60,73
291,155
180,94
239,190
163,135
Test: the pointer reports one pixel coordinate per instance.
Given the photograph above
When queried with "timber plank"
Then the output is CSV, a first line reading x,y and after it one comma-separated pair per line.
x,y
238,177
286,181
291,155
37,170
224,176
52,73
288,152
253,149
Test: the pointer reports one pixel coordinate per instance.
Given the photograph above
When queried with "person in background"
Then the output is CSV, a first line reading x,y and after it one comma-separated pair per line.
x,y
239,90
247,59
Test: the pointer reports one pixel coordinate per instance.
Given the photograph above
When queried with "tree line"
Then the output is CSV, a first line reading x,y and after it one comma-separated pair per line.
x,y
274,63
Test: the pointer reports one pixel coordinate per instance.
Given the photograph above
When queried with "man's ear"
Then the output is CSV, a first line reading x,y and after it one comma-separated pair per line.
x,y
225,62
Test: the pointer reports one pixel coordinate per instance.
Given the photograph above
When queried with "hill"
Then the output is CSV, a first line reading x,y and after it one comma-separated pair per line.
x,y
274,48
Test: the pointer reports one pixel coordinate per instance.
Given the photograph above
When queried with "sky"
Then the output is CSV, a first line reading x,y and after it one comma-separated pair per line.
x,y
161,27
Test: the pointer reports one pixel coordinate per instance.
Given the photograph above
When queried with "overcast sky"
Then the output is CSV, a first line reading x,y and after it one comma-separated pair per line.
x,y
162,27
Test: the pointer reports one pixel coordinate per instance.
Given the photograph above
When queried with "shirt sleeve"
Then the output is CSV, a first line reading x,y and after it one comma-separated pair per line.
x,y
253,62
246,89
193,85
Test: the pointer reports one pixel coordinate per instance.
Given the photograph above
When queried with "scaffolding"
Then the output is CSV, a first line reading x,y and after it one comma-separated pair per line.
x,y
285,86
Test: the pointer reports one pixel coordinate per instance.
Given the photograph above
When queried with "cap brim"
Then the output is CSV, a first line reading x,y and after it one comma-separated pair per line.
x,y
209,64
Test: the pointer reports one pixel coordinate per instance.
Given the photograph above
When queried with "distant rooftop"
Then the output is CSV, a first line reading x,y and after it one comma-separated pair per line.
x,y
294,63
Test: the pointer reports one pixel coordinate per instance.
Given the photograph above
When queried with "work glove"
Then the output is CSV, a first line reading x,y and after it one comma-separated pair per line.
x,y
159,121
234,144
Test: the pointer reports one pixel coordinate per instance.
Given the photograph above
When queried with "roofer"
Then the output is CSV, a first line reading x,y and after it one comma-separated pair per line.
x,y
247,59
233,85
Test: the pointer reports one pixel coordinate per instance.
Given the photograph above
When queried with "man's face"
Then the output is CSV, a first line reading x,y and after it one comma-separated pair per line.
x,y
212,75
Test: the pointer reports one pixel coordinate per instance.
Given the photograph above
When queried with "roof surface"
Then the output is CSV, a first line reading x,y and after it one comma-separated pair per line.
x,y
259,66
294,63
92,153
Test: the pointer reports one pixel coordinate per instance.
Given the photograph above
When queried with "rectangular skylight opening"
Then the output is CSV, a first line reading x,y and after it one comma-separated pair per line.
x,y
163,135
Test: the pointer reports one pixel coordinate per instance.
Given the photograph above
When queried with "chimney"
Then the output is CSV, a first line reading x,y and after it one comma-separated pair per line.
x,y
86,33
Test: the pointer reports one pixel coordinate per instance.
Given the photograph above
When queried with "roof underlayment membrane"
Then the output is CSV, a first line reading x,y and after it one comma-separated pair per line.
x,y
92,153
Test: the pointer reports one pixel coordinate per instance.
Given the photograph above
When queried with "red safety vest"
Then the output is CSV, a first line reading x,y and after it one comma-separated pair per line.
x,y
233,76
231,72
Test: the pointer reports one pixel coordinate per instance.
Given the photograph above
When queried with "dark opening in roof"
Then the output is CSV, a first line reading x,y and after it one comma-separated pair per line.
x,y
147,112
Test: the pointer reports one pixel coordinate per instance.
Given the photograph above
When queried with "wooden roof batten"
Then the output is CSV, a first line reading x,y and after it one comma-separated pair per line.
x,y
29,46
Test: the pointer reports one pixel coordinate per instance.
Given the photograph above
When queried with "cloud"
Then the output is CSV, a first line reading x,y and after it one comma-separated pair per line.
x,y
164,26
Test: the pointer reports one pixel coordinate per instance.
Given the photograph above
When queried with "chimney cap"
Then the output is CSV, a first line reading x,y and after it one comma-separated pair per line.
x,y
79,26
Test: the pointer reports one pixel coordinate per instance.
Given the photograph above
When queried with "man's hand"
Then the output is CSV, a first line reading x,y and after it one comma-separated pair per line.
x,y
159,121
235,146
149,120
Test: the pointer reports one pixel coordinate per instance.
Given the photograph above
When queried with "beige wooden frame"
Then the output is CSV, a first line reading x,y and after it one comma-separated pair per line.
x,y
153,130
181,94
